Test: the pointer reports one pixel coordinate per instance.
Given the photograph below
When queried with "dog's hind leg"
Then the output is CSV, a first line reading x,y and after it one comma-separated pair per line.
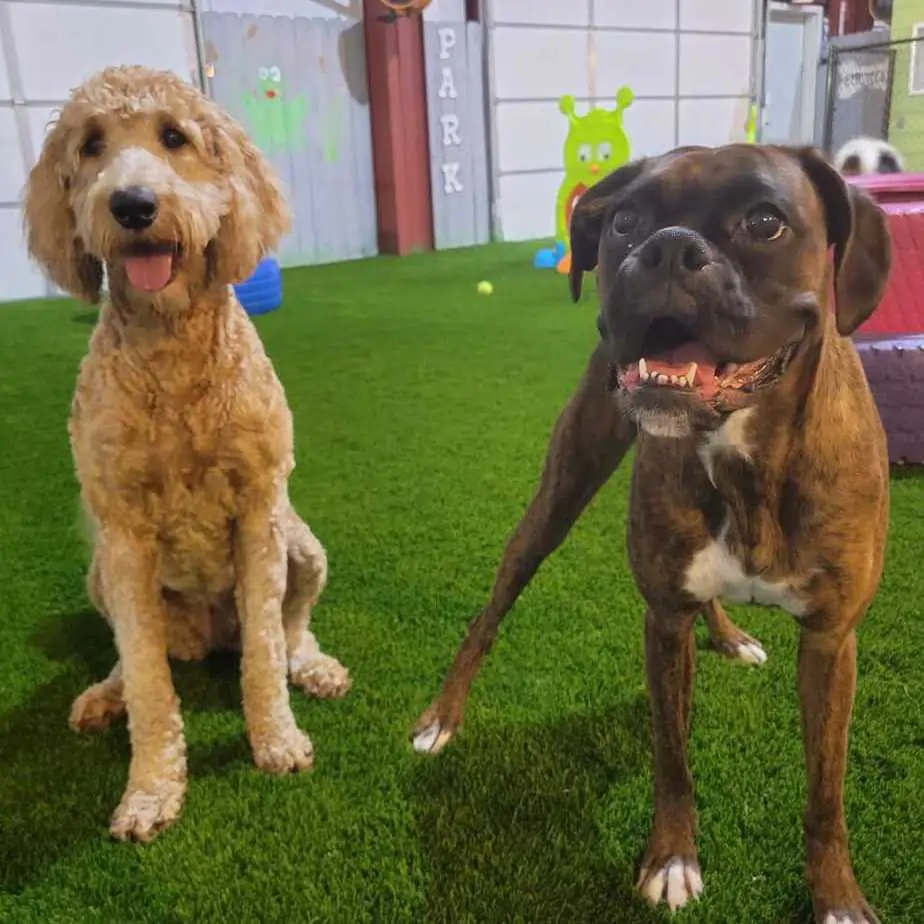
x,y
102,702
588,442
99,704
728,639
318,674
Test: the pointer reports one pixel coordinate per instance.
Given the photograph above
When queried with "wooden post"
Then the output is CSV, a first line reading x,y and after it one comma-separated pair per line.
x,y
401,154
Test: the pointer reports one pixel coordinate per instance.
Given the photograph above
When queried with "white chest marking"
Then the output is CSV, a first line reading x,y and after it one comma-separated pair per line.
x,y
732,436
715,572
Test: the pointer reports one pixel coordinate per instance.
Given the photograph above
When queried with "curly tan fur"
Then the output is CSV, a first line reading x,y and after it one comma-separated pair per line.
x,y
180,430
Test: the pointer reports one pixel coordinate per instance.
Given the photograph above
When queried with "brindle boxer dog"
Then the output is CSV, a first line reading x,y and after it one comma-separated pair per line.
x,y
761,472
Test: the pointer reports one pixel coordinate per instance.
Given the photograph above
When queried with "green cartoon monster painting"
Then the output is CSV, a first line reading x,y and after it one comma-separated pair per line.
x,y
277,120
596,145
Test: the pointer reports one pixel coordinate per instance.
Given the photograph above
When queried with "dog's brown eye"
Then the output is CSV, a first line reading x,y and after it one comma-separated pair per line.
x,y
172,138
92,145
624,222
765,225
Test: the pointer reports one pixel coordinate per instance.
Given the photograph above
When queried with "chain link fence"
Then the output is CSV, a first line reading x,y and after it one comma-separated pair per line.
x,y
875,87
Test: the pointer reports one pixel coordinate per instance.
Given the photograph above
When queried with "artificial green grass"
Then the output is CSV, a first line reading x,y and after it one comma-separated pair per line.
x,y
422,413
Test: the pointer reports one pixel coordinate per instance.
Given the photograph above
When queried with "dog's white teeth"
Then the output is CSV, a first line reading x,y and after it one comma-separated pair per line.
x,y
691,374
682,381
662,379
674,380
643,370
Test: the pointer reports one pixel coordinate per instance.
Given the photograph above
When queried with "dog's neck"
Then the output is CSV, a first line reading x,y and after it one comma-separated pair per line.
x,y
782,422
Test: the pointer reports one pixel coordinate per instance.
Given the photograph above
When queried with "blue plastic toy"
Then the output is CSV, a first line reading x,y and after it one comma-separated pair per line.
x,y
548,257
262,292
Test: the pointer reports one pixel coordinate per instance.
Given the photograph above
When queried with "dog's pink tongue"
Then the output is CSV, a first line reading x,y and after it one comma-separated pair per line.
x,y
677,362
150,273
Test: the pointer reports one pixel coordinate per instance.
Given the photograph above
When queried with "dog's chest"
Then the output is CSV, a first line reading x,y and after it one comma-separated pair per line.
x,y
720,568
716,571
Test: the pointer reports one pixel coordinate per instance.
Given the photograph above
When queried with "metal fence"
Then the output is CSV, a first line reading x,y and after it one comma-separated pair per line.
x,y
875,88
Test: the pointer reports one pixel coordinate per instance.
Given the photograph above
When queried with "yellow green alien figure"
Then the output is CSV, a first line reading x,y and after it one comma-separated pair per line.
x,y
596,146
276,119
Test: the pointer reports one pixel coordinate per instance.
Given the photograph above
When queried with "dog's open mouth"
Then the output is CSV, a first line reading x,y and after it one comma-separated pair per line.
x,y
673,360
151,266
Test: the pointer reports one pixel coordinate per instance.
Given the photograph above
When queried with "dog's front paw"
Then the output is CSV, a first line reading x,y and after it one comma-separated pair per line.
x,y
290,753
675,882
144,813
321,676
96,707
853,916
745,649
434,730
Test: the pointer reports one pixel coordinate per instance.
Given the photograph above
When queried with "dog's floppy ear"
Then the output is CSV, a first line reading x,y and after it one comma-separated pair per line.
x,y
51,227
587,221
859,231
257,216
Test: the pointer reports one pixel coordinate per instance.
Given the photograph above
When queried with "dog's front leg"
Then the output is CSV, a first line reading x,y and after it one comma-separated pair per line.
x,y
827,678
670,870
589,440
261,568
157,777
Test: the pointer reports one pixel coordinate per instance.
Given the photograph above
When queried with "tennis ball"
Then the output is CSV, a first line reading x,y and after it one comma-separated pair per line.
x,y
485,287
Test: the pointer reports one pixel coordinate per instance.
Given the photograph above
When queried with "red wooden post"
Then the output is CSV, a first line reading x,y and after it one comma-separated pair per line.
x,y
401,154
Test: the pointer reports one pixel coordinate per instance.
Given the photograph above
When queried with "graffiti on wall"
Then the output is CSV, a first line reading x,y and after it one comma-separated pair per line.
x,y
299,87
277,119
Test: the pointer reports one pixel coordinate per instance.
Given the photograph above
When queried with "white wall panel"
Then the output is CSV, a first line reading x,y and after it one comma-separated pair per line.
x,y
636,14
539,63
531,136
714,65
316,9
715,15
19,277
5,92
60,46
644,61
712,121
12,176
442,11
649,124
527,204
542,12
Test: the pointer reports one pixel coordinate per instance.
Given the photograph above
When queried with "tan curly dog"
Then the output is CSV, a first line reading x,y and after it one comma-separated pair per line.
x,y
180,430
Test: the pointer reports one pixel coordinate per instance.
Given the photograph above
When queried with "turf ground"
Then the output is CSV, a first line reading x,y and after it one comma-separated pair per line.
x,y
422,413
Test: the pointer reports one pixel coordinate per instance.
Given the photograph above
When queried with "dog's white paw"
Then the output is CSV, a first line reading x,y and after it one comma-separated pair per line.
x,y
286,754
750,652
96,707
742,648
143,813
855,916
321,676
676,883
432,739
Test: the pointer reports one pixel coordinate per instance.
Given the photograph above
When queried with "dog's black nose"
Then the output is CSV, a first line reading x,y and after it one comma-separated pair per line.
x,y
678,250
134,207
